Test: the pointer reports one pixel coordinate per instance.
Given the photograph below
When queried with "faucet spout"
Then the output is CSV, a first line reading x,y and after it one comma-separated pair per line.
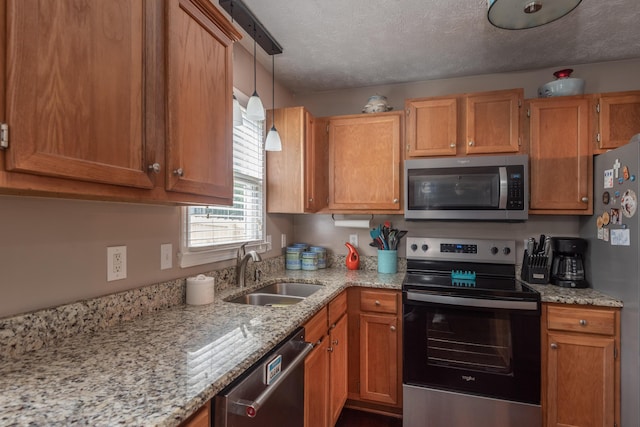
x,y
241,267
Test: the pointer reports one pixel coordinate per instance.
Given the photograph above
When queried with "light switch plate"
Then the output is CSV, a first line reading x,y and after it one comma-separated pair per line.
x,y
166,256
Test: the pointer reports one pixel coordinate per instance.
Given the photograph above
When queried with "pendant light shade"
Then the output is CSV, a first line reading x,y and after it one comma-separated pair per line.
x,y
237,112
522,14
273,142
255,110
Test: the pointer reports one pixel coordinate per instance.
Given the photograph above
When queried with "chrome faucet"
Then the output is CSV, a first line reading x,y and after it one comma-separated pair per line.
x,y
241,263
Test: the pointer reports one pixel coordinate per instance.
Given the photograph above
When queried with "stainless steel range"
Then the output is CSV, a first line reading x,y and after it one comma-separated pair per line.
x,y
471,344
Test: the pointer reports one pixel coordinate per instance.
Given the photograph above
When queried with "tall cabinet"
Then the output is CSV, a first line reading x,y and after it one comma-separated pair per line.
x,y
125,100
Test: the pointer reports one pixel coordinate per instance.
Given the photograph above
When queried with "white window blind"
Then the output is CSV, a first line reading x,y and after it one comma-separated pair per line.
x,y
222,228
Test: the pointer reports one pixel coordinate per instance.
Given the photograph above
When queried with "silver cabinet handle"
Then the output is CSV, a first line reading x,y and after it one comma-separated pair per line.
x,y
178,172
471,143
330,349
554,346
452,145
155,168
393,328
395,200
250,409
583,322
584,199
334,342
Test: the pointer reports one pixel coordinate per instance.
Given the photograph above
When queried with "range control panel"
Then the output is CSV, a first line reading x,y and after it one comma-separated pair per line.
x,y
467,250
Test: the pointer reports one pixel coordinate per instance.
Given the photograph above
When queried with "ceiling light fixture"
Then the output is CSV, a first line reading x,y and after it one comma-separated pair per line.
x,y
523,14
255,110
273,142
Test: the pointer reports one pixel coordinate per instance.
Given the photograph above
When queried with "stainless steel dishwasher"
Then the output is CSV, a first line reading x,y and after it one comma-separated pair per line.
x,y
271,392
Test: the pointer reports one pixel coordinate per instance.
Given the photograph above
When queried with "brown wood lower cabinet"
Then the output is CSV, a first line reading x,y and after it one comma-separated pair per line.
x,y
202,418
325,389
580,366
375,358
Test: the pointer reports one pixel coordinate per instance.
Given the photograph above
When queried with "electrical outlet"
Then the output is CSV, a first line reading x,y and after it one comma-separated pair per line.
x,y
166,260
353,239
116,263
283,242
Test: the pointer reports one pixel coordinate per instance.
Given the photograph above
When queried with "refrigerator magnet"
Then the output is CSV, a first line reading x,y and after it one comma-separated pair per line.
x,y
608,178
599,222
605,234
615,216
625,173
620,237
600,233
605,197
629,203
605,218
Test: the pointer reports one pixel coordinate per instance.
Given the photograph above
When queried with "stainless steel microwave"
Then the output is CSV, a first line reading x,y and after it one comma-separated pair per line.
x,y
485,188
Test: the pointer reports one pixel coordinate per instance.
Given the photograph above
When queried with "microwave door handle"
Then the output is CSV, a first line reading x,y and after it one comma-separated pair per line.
x,y
504,187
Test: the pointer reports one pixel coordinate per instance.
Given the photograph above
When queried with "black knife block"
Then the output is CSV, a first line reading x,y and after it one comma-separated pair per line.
x,y
535,268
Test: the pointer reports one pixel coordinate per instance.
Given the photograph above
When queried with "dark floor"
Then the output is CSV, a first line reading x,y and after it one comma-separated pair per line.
x,y
353,418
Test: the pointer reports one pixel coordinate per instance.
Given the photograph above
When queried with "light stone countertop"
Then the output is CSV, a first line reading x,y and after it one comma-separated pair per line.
x,y
159,369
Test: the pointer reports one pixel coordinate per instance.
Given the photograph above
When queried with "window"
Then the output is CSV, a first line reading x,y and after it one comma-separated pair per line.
x,y
213,233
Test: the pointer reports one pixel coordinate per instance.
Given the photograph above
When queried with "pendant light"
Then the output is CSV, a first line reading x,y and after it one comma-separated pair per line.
x,y
255,110
273,142
522,14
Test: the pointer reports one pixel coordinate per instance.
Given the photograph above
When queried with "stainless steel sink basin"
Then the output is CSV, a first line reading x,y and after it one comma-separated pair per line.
x,y
272,300
278,294
290,288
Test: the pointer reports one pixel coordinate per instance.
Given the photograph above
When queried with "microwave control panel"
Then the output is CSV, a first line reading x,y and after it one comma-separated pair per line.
x,y
515,190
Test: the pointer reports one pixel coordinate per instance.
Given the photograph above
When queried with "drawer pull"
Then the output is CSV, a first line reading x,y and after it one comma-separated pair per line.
x,y
377,302
330,349
393,328
554,346
334,342
583,322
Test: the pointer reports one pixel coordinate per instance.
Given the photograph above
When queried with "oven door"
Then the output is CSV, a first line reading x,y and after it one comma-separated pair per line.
x,y
484,347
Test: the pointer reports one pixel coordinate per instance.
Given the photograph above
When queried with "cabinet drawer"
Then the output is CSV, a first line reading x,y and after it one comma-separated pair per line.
x,y
378,301
316,327
586,320
337,307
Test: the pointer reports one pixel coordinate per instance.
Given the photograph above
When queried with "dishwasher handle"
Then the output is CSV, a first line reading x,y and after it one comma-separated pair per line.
x,y
250,408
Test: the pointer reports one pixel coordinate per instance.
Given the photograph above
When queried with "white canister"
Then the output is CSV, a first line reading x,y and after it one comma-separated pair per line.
x,y
200,290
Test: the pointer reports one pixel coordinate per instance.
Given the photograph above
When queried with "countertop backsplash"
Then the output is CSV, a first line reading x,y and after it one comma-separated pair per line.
x,y
31,331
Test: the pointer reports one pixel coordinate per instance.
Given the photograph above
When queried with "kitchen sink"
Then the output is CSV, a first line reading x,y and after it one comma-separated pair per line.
x,y
278,294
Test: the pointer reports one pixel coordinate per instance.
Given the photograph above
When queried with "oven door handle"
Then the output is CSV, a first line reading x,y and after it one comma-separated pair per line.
x,y
472,302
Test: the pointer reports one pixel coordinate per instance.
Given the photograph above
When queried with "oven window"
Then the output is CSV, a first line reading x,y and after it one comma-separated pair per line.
x,y
476,341
454,189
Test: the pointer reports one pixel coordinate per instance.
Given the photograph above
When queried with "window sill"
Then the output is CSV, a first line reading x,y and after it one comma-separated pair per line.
x,y
192,258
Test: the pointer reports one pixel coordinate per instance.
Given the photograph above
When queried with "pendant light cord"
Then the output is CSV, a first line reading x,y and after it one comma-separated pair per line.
x,y
273,91
254,59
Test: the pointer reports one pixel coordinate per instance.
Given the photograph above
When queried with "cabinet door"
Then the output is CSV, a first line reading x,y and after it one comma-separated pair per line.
x,y
199,102
338,369
75,90
581,380
619,119
493,122
364,162
560,160
316,386
297,175
316,164
432,127
378,358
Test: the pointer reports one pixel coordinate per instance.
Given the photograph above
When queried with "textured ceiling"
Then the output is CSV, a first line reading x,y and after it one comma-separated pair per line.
x,y
337,44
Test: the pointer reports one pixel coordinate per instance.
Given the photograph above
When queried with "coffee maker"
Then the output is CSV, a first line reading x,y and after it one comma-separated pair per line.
x,y
567,267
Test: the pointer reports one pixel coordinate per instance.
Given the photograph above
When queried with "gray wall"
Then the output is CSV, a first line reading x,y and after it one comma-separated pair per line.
x,y
53,251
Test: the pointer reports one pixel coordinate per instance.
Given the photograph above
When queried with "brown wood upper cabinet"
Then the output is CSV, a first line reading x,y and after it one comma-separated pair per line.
x,y
365,162
297,175
561,167
88,100
474,123
618,119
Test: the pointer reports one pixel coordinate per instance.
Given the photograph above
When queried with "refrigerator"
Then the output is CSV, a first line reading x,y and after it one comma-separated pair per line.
x,y
612,263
